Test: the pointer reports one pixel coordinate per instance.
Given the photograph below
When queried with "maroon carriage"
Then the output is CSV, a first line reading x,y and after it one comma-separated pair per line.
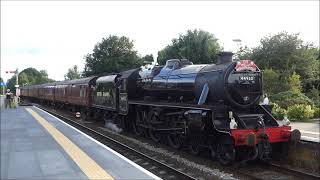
x,y
46,92
75,92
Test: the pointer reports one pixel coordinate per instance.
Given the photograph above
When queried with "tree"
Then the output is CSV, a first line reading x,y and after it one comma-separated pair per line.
x,y
23,79
286,52
29,76
244,53
147,59
112,54
295,83
72,73
1,87
198,46
269,78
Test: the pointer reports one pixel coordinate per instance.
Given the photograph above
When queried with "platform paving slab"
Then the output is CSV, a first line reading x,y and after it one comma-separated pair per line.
x,y
28,151
113,164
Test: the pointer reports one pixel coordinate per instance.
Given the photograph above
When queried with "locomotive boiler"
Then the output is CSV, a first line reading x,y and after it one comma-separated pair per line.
x,y
238,84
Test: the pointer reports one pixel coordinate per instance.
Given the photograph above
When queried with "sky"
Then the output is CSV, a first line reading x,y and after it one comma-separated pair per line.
x,y
55,35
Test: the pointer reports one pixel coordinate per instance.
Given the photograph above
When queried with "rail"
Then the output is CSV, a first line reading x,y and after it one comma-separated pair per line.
x,y
176,173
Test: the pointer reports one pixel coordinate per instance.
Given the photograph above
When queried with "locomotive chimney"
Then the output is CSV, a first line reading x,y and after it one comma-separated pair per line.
x,y
224,57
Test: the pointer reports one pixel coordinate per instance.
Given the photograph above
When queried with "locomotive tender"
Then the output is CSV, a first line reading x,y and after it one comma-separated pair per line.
x,y
207,106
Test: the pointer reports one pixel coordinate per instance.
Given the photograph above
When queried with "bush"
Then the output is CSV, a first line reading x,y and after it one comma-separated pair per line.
x,y
300,112
290,98
278,112
314,94
316,113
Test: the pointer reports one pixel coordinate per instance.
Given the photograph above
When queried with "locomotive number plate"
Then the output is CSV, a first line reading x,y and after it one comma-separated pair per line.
x,y
246,78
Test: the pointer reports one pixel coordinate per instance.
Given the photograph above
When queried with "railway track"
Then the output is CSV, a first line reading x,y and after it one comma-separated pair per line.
x,y
266,171
159,168
259,172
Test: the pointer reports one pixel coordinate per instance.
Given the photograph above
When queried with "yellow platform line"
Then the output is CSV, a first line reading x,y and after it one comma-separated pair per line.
x,y
86,164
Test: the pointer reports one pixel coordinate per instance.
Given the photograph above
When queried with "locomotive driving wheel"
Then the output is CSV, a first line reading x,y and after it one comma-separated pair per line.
x,y
226,153
137,129
174,139
194,145
194,149
154,117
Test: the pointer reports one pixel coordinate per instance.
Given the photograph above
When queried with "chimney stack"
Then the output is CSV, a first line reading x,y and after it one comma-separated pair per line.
x,y
224,57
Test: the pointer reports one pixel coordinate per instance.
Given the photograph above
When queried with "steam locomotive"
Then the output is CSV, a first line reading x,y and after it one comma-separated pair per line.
x,y
207,106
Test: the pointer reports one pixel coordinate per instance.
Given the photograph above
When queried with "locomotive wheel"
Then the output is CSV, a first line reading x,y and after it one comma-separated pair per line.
x,y
194,149
154,116
154,135
138,130
226,154
83,116
213,152
174,141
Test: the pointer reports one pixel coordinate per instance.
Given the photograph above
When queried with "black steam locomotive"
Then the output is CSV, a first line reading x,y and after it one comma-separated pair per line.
x,y
208,106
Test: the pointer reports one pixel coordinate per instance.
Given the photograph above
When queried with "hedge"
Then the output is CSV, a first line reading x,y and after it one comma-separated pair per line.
x,y
290,98
300,112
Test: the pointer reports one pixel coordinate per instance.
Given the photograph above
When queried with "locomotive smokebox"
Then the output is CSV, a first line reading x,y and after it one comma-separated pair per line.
x,y
224,57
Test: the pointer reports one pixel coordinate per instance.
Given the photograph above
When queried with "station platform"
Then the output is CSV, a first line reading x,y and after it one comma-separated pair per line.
x,y
37,145
309,130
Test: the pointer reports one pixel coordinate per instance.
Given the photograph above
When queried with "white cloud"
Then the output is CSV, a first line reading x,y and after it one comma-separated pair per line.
x,y
56,35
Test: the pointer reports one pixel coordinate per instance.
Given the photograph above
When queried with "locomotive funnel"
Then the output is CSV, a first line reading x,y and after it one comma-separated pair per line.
x,y
224,57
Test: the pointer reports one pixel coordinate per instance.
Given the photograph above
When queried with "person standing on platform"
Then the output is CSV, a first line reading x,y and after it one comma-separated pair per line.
x,y
8,101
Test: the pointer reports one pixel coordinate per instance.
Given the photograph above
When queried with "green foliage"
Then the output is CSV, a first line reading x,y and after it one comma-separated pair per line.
x,y
270,81
1,87
198,46
278,112
295,83
290,98
147,59
72,73
316,113
287,53
314,94
244,53
112,54
300,112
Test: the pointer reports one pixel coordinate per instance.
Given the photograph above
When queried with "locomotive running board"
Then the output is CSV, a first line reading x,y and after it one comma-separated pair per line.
x,y
159,104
